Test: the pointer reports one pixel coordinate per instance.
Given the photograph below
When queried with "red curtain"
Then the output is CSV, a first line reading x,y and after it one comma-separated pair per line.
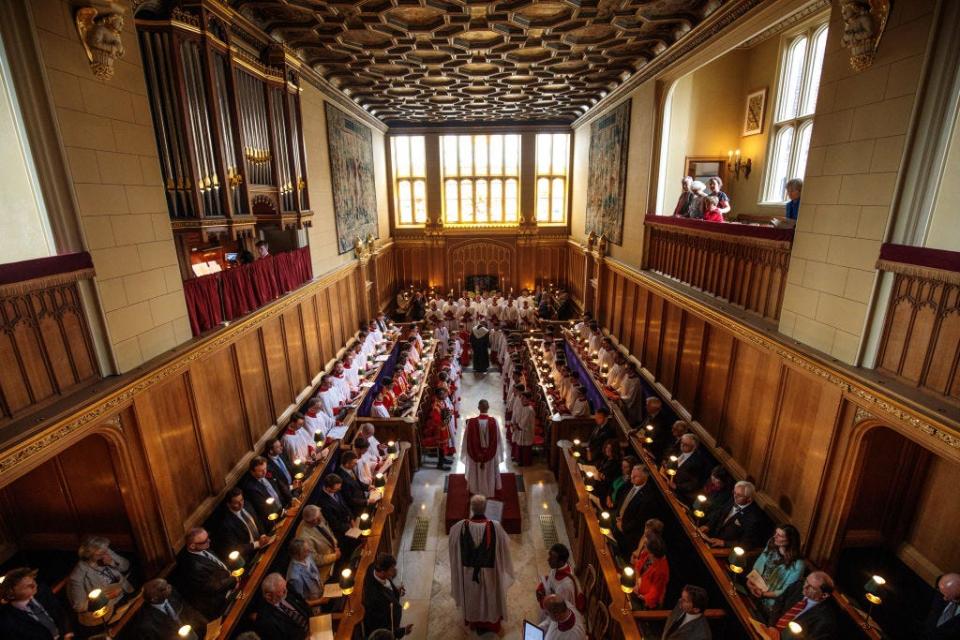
x,y
203,302
238,291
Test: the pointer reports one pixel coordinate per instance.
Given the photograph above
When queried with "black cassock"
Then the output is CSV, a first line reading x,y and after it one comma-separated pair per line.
x,y
481,351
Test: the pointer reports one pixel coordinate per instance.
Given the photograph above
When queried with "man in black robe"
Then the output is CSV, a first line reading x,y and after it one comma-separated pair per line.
x,y
381,599
480,343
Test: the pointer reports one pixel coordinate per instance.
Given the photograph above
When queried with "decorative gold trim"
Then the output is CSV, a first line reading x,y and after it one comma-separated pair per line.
x,y
882,405
26,286
70,424
916,271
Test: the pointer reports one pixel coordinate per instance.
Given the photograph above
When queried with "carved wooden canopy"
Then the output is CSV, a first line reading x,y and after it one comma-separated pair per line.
x,y
429,61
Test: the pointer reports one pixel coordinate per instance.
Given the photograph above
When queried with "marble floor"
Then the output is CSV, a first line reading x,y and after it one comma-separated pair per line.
x,y
426,574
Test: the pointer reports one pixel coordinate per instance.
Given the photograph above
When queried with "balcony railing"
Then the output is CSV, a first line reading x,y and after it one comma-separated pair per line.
x,y
744,264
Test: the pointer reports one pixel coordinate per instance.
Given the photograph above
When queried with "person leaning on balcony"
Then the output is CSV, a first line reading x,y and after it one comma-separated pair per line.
x,y
792,208
687,201
715,185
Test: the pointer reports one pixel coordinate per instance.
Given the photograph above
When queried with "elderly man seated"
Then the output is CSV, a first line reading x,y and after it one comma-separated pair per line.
x,y
283,614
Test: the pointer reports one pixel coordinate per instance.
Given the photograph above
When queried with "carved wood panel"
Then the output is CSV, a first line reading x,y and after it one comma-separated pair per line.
x,y
482,257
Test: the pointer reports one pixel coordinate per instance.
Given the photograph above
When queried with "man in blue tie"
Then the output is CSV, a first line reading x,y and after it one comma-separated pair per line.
x,y
261,491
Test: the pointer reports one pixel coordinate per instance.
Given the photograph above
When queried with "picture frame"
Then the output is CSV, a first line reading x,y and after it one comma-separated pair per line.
x,y
754,112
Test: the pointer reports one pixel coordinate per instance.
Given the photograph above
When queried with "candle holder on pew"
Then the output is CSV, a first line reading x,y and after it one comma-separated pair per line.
x,y
346,584
628,581
364,523
575,449
392,450
98,606
699,509
588,481
672,464
298,468
236,563
273,510
736,563
875,590
186,632
379,480
793,630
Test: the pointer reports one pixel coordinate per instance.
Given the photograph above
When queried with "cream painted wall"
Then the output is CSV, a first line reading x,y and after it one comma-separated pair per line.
x,y
855,157
944,230
108,139
323,232
643,119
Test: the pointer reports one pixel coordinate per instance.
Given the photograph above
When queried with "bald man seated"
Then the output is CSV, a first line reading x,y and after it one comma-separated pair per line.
x,y
943,621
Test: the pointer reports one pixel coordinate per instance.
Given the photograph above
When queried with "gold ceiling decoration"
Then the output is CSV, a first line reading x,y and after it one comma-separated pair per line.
x,y
412,62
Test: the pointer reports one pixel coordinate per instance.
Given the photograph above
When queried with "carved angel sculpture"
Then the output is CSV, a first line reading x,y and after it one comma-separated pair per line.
x,y
99,30
863,24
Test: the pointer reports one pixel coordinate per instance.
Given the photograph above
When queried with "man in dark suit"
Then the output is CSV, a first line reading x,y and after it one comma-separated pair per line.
x,y
691,467
238,528
263,492
656,426
31,611
811,605
163,613
354,492
633,508
281,469
943,621
381,599
283,615
604,429
740,523
338,515
686,621
203,578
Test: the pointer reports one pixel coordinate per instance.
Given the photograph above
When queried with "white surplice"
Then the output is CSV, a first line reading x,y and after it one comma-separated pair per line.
x,y
486,600
484,481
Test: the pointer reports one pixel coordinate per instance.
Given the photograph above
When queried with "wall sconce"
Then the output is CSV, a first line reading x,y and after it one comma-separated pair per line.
x,y
735,165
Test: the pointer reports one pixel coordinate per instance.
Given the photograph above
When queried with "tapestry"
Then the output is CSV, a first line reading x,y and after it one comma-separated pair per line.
x,y
351,175
607,182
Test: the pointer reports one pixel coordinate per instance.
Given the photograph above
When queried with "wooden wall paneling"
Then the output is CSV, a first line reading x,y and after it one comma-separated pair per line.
x,y
22,347
311,336
924,322
253,385
293,337
628,324
670,350
753,397
691,359
41,518
637,347
323,324
933,537
223,426
944,357
651,349
719,356
617,283
806,421
336,324
897,325
276,358
174,454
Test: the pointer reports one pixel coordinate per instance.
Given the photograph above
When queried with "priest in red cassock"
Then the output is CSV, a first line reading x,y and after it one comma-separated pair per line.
x,y
482,452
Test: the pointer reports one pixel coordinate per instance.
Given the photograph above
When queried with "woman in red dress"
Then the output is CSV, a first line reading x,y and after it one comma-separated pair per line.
x,y
653,572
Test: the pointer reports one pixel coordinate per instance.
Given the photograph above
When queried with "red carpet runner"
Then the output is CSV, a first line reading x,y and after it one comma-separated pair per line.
x,y
458,501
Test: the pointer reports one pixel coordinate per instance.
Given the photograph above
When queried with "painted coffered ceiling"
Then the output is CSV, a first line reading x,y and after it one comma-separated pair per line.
x,y
411,62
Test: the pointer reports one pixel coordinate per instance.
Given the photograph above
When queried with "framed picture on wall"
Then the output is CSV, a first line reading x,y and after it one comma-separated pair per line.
x,y
753,117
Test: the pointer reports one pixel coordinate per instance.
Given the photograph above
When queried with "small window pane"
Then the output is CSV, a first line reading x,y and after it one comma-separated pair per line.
x,y
452,201
481,200
813,78
418,155
420,202
496,199
450,155
803,148
511,201
560,154
404,196
402,156
780,163
466,156
480,153
543,200
466,201
543,153
556,196
496,155
511,151
792,81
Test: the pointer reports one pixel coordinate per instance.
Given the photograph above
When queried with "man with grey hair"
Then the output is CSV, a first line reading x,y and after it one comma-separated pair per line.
x,y
691,469
283,615
739,523
99,567
481,570
319,537
687,200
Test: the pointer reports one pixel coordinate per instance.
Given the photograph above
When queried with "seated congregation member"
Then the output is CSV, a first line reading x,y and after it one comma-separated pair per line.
x,y
99,567
686,621
320,540
943,620
561,580
691,469
677,430
811,604
739,523
163,613
303,575
280,468
238,528
381,599
202,577
715,186
30,611
779,566
609,468
355,492
656,426
563,621
653,572
635,506
283,614
263,492
651,528
718,489
604,429
622,480
337,514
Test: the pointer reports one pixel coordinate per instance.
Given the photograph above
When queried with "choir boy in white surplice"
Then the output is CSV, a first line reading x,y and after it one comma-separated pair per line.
x,y
482,452
481,570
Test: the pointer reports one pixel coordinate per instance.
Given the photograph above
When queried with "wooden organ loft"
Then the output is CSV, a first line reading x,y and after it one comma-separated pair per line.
x,y
226,110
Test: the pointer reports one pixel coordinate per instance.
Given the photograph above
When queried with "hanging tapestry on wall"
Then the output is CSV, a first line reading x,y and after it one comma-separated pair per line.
x,y
607,183
351,174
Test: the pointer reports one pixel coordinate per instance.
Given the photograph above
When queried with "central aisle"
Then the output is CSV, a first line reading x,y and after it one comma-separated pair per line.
x,y
426,574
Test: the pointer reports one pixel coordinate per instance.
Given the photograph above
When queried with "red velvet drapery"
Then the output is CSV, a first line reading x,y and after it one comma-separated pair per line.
x,y
238,291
